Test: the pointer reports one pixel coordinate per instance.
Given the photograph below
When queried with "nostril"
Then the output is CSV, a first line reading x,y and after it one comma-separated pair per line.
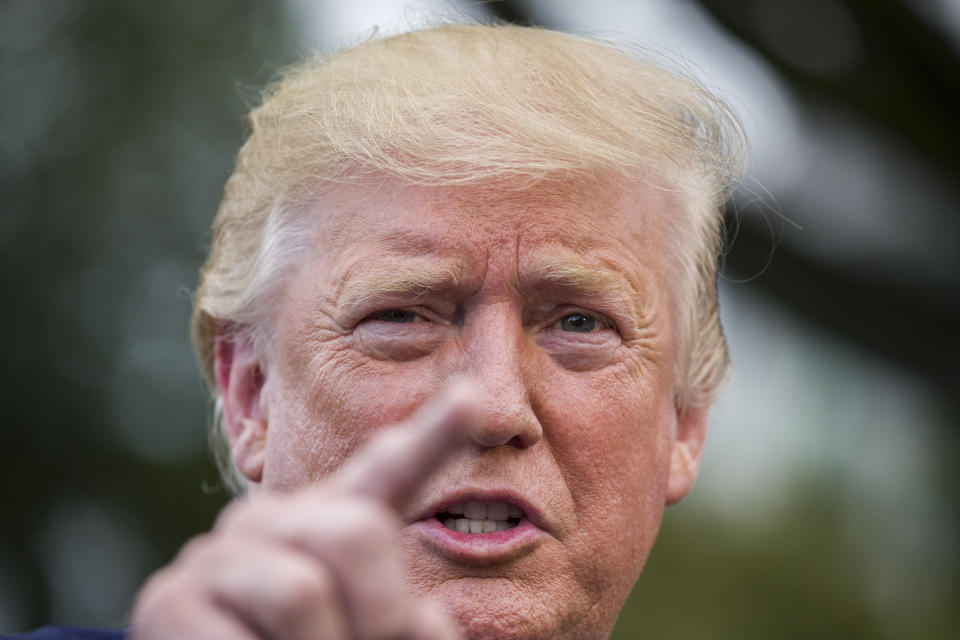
x,y
520,432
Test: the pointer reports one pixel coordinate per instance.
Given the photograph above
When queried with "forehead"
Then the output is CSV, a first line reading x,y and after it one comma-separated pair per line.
x,y
582,217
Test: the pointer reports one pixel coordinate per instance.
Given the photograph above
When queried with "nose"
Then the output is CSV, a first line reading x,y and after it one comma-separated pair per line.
x,y
494,358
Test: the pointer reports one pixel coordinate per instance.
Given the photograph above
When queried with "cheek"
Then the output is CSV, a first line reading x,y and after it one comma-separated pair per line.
x,y
612,443
320,414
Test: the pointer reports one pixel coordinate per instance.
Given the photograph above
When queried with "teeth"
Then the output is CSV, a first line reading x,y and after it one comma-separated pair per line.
x,y
481,517
466,525
498,511
475,510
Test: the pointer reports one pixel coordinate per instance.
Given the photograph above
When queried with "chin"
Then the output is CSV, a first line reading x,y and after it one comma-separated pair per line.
x,y
522,591
488,608
494,608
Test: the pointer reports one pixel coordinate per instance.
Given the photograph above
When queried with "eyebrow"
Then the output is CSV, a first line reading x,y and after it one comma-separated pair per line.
x,y
567,271
409,279
556,269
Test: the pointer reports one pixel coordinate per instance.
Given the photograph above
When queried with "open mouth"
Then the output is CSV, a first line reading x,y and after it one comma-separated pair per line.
x,y
480,517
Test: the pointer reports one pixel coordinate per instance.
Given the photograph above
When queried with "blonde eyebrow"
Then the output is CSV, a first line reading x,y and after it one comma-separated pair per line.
x,y
567,270
416,280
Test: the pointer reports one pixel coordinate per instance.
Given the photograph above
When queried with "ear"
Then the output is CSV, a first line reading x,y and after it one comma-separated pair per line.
x,y
240,379
687,452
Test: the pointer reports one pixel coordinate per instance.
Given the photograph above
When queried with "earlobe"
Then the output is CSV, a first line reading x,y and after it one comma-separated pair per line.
x,y
240,380
249,449
687,452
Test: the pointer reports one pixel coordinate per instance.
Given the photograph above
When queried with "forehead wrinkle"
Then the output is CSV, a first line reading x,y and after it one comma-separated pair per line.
x,y
411,242
392,238
370,216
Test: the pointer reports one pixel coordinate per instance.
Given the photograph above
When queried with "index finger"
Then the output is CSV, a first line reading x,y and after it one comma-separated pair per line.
x,y
400,458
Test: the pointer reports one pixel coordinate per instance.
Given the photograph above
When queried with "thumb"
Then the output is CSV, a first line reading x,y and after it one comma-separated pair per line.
x,y
432,624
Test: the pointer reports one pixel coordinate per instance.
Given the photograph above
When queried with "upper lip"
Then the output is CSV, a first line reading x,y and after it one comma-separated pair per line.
x,y
510,496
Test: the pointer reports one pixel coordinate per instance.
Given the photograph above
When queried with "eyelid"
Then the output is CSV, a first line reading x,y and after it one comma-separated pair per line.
x,y
423,314
375,315
603,321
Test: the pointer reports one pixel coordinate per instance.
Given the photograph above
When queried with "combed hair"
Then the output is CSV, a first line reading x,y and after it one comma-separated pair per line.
x,y
461,105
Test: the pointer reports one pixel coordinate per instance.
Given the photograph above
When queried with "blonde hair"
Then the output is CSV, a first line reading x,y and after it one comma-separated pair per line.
x,y
465,104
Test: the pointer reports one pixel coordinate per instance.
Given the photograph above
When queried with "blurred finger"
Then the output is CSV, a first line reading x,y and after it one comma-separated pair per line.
x,y
360,548
353,537
197,621
400,458
281,592
430,623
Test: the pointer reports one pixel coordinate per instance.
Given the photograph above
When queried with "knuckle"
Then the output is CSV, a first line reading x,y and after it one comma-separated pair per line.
x,y
305,589
204,556
369,524
243,513
195,547
229,513
164,592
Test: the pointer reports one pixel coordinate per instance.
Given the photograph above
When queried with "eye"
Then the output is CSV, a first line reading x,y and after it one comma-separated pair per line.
x,y
577,322
395,315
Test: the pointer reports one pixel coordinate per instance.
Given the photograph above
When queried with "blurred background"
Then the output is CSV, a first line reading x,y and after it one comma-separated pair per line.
x,y
828,504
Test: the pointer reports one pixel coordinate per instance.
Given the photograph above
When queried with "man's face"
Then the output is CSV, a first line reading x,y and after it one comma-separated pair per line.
x,y
555,301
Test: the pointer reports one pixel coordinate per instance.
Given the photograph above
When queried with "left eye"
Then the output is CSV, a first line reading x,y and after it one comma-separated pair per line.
x,y
577,322
395,315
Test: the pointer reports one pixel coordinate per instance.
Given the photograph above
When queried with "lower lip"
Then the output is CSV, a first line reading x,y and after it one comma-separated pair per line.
x,y
478,548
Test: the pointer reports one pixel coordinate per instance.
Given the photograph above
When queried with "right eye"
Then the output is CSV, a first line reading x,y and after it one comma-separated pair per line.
x,y
401,334
395,315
